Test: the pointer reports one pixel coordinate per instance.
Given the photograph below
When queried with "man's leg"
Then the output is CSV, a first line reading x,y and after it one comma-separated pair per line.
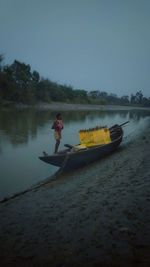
x,y
57,145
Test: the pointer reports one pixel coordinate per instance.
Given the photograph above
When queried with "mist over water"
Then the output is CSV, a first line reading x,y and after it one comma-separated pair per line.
x,y
24,134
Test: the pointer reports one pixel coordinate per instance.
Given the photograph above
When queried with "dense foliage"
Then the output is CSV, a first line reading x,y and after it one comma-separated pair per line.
x,y
21,85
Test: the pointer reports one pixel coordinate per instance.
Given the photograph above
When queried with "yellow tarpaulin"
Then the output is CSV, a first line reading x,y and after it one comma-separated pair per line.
x,y
94,137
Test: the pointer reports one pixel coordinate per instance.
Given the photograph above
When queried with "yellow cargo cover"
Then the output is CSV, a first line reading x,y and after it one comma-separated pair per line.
x,y
94,137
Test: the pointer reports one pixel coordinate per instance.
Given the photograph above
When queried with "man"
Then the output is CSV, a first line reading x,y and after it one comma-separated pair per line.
x,y
57,126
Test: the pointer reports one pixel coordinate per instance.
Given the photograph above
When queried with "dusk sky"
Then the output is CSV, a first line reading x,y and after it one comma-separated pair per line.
x,y
89,44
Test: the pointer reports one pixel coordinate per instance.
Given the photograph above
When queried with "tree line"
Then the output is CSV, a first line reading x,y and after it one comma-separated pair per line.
x,y
19,84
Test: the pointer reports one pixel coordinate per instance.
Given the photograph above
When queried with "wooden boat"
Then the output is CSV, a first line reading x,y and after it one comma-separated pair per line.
x,y
70,158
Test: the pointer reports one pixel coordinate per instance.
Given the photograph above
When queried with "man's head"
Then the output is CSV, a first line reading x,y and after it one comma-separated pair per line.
x,y
58,116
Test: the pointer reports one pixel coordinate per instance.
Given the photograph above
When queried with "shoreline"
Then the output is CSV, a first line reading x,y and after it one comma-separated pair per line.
x,y
97,216
66,106
73,107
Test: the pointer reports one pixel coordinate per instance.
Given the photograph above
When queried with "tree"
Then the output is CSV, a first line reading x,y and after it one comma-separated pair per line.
x,y
139,97
21,74
94,94
125,99
1,60
19,84
146,102
35,76
104,94
113,99
133,99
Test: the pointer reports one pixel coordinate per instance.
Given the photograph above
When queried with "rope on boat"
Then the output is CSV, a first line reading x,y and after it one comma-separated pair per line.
x,y
63,164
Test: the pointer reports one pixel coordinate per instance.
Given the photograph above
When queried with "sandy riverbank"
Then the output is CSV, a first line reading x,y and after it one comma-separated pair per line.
x,y
97,216
66,106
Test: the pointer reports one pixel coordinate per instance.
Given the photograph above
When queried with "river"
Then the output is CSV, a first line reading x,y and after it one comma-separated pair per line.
x,y
25,133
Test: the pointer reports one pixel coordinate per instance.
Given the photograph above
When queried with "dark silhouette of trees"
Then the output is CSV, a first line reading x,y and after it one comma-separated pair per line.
x,y
1,60
19,84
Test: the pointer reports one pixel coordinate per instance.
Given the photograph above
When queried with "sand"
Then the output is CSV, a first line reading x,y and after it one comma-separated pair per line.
x,y
96,216
61,106
70,106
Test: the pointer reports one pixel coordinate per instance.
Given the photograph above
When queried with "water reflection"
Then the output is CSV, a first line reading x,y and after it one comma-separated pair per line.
x,y
18,126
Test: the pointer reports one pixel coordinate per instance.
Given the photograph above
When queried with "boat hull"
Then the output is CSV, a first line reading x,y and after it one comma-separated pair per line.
x,y
70,159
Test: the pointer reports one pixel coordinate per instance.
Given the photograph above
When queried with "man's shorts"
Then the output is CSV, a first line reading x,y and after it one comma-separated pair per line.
x,y
57,136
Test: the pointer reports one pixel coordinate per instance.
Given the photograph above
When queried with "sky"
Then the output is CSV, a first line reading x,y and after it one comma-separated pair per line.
x,y
88,44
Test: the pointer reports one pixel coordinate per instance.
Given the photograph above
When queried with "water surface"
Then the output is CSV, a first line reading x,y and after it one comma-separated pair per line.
x,y
24,134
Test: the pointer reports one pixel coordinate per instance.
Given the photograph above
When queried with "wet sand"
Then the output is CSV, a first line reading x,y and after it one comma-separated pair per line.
x,y
96,216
